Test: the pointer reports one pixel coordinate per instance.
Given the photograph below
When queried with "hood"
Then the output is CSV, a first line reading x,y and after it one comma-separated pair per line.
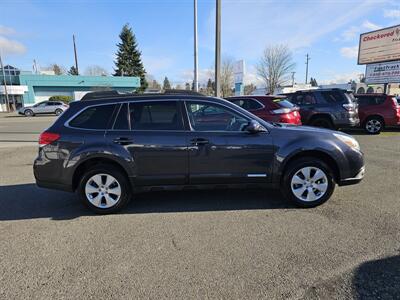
x,y
304,128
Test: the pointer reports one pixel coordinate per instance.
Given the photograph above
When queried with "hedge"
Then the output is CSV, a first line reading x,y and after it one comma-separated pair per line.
x,y
62,98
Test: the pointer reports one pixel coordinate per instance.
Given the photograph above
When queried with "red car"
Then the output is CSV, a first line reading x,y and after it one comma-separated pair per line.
x,y
377,111
269,108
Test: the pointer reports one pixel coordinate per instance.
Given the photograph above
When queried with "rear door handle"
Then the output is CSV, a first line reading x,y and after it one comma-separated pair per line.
x,y
199,141
123,141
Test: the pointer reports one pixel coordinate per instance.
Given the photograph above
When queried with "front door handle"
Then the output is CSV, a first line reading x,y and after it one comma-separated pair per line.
x,y
199,141
123,141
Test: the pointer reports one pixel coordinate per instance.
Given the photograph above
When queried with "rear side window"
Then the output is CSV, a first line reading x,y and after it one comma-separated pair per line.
x,y
371,100
248,104
163,115
304,99
333,97
96,117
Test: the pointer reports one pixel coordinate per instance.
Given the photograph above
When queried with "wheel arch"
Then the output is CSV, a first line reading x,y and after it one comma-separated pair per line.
x,y
374,116
91,162
321,155
321,116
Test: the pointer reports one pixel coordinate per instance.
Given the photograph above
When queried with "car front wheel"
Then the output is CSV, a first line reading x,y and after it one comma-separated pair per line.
x,y
308,182
104,189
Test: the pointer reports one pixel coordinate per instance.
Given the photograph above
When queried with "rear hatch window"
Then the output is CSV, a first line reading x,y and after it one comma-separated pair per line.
x,y
283,103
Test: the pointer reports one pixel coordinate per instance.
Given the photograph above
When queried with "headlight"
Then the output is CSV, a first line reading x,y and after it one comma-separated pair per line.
x,y
348,140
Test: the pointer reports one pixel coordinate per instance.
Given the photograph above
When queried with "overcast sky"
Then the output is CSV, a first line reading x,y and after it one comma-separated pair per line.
x,y
327,30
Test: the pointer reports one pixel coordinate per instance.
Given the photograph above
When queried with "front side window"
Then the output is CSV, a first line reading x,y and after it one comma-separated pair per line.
x,y
163,115
213,117
96,117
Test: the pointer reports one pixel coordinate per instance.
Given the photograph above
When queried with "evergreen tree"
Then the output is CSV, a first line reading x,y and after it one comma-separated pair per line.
x,y
129,62
73,71
166,84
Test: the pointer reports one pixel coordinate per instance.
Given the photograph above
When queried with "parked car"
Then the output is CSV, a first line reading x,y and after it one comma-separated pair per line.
x,y
327,108
108,149
45,107
269,108
377,111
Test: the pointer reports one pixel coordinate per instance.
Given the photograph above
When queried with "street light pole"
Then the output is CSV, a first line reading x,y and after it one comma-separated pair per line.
x,y
217,48
76,56
196,74
5,85
307,60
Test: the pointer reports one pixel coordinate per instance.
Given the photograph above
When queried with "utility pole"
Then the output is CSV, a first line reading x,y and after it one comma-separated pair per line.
x,y
307,59
196,64
217,47
293,78
76,56
5,85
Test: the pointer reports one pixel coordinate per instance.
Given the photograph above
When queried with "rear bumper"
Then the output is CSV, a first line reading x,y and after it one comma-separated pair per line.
x,y
54,186
353,180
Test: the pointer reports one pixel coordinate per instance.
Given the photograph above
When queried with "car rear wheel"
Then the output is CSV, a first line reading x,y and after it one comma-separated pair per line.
x,y
58,112
28,113
308,182
373,125
323,123
104,189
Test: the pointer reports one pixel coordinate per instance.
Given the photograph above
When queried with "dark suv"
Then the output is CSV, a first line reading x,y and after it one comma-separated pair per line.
x,y
327,108
107,149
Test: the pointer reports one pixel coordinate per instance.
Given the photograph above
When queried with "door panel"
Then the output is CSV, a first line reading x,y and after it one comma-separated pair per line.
x,y
160,156
228,154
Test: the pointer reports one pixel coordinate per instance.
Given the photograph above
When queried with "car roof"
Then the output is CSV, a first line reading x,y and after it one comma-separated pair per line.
x,y
372,94
316,90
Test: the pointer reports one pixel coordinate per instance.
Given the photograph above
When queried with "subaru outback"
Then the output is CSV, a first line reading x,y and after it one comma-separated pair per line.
x,y
106,150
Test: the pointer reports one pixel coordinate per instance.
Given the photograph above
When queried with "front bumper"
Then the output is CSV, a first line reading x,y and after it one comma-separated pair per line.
x,y
353,180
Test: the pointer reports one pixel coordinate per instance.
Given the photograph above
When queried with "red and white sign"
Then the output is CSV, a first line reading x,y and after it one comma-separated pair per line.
x,y
379,46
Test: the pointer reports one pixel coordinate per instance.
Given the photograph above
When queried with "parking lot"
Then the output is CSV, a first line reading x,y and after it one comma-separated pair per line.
x,y
225,244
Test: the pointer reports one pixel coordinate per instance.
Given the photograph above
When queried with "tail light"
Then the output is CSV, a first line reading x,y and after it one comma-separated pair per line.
x,y
280,111
395,104
349,107
47,138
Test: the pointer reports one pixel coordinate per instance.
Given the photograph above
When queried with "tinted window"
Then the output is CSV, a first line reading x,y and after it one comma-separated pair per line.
x,y
96,117
155,116
283,102
304,99
253,104
213,117
333,97
248,104
371,100
122,122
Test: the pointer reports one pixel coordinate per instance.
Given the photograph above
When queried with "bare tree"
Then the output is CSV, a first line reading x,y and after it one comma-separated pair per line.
x,y
57,69
227,77
95,70
275,66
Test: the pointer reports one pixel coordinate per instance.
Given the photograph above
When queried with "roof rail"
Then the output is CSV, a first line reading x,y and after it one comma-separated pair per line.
x,y
115,94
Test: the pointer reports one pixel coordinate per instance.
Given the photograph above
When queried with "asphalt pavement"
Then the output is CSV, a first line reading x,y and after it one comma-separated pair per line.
x,y
225,244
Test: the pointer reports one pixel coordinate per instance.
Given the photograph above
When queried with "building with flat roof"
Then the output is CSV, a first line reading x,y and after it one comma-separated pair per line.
x,y
26,88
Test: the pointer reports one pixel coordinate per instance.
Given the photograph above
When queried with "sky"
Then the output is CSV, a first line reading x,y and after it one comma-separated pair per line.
x,y
327,30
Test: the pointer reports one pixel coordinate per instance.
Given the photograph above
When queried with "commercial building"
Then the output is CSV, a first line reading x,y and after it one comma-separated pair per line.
x,y
26,88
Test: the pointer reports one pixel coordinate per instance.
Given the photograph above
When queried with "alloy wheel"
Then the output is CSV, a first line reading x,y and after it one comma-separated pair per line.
x,y
373,126
103,190
309,184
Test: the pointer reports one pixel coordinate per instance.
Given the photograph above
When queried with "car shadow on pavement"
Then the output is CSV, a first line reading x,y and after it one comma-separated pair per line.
x,y
27,201
378,279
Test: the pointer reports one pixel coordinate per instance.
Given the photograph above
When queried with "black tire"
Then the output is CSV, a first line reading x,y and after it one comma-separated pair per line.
x,y
293,169
58,112
28,113
374,125
121,180
322,122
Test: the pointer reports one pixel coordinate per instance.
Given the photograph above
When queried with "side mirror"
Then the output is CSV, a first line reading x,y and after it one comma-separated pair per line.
x,y
255,127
